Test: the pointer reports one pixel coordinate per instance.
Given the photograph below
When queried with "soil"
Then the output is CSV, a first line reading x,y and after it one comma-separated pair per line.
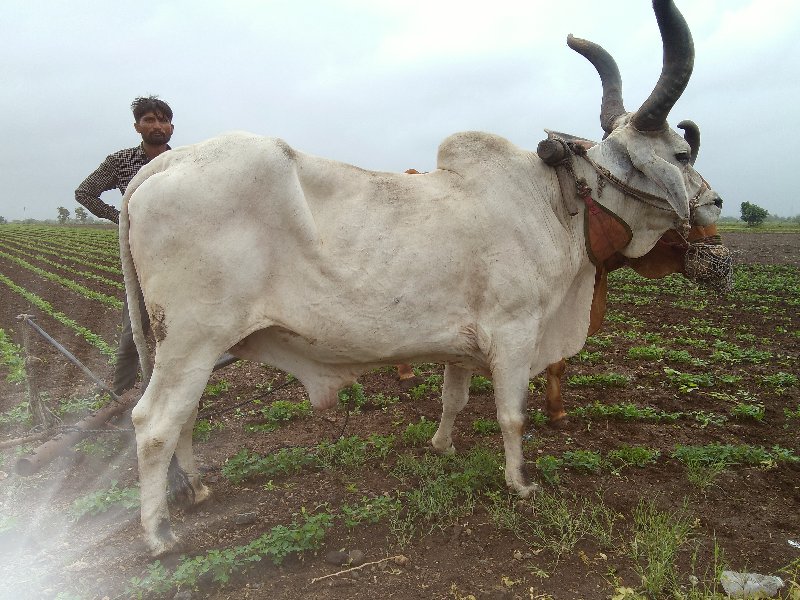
x,y
751,513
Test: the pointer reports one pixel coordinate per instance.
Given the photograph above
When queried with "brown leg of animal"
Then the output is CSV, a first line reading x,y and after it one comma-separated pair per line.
x,y
553,402
404,371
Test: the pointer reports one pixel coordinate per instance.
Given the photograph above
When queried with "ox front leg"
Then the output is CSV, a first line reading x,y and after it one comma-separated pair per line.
x,y
553,402
455,393
511,391
160,417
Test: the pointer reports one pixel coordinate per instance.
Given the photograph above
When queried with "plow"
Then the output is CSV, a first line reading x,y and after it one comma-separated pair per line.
x,y
62,438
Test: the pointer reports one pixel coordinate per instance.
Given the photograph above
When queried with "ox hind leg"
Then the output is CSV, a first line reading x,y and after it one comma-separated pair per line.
x,y
455,393
163,419
186,462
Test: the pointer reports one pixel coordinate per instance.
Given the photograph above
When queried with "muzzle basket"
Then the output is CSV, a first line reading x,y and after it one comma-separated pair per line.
x,y
710,264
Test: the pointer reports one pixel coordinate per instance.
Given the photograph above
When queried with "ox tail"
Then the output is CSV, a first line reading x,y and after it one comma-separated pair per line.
x,y
133,289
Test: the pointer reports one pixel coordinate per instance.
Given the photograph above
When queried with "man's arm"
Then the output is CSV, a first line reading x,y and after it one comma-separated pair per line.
x,y
88,192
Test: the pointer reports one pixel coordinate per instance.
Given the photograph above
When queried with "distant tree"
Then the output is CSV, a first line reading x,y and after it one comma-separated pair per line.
x,y
63,215
753,215
81,214
3,220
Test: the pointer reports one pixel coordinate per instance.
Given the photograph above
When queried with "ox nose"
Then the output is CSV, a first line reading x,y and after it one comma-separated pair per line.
x,y
718,202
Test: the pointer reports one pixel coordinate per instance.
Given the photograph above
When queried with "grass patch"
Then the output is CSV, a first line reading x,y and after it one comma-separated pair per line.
x,y
599,380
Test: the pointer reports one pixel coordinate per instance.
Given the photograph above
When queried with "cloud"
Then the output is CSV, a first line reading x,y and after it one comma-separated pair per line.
x,y
379,84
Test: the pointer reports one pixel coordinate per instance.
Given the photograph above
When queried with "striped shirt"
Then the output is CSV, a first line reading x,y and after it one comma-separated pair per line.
x,y
116,171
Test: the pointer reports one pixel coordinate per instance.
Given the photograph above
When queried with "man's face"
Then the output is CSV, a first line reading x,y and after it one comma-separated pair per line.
x,y
155,128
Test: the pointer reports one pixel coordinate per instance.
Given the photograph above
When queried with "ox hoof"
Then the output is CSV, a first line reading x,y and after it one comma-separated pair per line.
x,y
201,494
526,491
521,485
445,449
559,421
163,544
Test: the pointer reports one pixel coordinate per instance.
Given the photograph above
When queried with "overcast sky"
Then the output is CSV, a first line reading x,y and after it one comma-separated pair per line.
x,y
380,83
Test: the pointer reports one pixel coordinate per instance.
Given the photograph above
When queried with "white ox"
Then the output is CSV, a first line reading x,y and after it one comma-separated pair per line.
x,y
326,270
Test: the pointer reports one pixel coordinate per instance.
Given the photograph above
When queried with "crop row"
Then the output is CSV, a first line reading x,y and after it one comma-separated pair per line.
x,y
46,308
64,240
22,245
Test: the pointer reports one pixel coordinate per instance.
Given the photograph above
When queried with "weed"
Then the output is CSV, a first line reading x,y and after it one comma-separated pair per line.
x,y
791,574
548,466
600,380
631,456
287,461
101,500
780,381
11,359
702,327
444,489
418,434
380,400
369,511
688,382
582,460
683,357
17,415
353,397
215,389
693,342
203,428
559,521
419,391
729,455
657,538
708,418
485,426
480,385
537,418
587,357
101,448
599,341
650,352
434,382
743,410
281,412
345,453
221,565
82,405
624,412
731,353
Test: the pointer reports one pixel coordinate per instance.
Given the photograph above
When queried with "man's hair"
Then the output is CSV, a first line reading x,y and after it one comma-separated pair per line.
x,y
143,105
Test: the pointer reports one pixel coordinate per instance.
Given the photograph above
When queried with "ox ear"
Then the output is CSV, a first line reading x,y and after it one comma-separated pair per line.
x,y
665,175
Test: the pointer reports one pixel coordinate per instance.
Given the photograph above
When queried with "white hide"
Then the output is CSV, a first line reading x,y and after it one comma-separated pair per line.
x,y
326,270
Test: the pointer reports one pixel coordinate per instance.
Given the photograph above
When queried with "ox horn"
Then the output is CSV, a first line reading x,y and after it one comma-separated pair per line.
x,y
678,62
691,133
611,106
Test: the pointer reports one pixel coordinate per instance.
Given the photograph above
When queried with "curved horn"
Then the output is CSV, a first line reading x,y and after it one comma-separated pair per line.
x,y
678,62
611,106
691,133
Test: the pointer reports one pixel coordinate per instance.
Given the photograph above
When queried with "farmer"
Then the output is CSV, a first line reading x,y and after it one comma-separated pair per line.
x,y
153,121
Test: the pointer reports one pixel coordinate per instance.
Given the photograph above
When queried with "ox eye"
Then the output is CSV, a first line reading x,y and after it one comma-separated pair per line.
x,y
683,157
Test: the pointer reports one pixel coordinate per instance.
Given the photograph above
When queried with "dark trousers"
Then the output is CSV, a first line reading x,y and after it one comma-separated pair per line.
x,y
127,356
